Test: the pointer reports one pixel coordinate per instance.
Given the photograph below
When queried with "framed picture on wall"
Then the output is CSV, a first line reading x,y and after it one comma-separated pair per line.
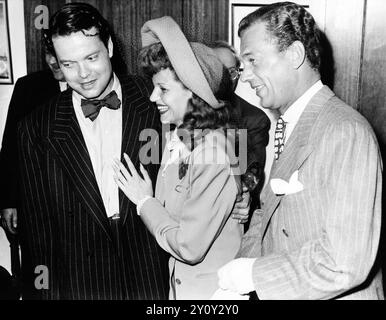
x,y
238,10
6,76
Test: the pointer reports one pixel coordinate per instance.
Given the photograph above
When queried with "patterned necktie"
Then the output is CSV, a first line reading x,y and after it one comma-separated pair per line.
x,y
279,137
91,108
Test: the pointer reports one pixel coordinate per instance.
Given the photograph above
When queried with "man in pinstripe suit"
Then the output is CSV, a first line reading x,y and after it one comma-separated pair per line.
x,y
84,233
317,236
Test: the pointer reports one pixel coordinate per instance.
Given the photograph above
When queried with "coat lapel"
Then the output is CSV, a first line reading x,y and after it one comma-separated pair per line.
x,y
137,114
296,150
67,141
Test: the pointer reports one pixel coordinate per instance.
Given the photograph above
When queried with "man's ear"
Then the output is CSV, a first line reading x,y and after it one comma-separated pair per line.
x,y
297,54
110,47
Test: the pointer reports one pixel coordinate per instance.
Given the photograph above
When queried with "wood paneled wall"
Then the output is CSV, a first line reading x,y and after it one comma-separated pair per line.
x,y
201,20
344,31
372,100
35,53
357,32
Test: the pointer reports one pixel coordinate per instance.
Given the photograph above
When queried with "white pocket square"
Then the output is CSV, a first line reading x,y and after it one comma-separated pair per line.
x,y
282,187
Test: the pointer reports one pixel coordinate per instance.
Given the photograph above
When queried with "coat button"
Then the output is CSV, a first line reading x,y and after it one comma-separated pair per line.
x,y
178,281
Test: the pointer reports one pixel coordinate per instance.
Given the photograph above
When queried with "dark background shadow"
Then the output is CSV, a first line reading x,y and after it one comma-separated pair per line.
x,y
327,66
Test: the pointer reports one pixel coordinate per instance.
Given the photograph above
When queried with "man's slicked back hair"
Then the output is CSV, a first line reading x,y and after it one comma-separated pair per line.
x,y
287,22
75,17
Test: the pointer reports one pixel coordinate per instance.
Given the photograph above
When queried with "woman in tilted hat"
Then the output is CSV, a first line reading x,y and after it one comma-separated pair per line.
x,y
196,188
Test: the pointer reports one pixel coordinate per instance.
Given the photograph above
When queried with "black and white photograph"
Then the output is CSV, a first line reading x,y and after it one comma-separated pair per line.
x,y
192,156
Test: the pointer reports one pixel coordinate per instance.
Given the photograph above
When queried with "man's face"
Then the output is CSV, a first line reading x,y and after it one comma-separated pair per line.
x,y
268,71
54,67
85,63
228,59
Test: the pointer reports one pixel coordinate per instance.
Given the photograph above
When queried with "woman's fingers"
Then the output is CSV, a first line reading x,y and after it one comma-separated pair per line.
x,y
118,173
119,166
131,167
119,183
122,186
121,178
145,174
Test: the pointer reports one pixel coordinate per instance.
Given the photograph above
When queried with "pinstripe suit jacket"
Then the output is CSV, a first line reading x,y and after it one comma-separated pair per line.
x,y
24,100
64,215
321,243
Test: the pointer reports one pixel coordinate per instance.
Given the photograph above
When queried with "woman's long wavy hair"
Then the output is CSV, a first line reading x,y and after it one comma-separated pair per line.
x,y
200,115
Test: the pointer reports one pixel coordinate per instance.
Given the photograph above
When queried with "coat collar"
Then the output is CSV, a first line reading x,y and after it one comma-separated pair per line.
x,y
137,114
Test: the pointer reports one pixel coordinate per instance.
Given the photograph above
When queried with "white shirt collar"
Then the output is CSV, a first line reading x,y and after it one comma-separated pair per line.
x,y
63,86
293,113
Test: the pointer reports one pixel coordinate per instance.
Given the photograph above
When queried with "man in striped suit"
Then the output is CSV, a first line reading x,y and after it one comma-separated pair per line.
x,y
86,240
317,236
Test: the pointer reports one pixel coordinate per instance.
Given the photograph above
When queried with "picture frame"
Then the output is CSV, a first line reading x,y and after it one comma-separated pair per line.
x,y
6,74
238,10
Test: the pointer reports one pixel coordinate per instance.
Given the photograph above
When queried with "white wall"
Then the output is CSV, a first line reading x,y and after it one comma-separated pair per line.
x,y
19,67
5,251
18,52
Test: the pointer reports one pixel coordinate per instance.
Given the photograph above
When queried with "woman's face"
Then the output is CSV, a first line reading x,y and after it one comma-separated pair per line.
x,y
171,97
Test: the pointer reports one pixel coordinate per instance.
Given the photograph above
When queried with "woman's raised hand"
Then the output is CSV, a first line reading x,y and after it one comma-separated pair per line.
x,y
130,182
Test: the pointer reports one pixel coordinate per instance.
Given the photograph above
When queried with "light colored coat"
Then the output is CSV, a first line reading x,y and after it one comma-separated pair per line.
x,y
190,218
321,242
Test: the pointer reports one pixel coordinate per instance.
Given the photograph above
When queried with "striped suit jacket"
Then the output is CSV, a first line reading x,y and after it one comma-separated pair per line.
x,y
63,212
30,92
321,242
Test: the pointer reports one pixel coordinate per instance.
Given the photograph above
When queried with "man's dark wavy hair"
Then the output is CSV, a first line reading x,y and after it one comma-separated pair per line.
x,y
200,115
75,17
288,22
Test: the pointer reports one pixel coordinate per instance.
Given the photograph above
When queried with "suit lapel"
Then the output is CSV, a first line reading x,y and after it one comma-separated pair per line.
x,y
67,141
296,150
136,115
